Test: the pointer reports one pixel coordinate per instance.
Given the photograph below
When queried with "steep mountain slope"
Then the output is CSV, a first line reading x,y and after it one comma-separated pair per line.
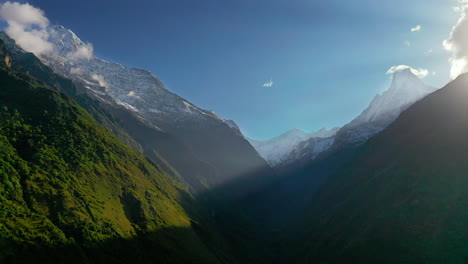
x,y
277,150
224,203
71,192
404,197
128,127
196,146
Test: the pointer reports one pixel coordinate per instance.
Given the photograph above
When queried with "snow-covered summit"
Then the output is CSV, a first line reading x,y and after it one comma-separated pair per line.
x,y
406,89
138,90
278,149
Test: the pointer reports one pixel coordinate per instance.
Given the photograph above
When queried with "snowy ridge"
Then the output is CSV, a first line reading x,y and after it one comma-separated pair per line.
x,y
277,150
309,149
138,90
405,90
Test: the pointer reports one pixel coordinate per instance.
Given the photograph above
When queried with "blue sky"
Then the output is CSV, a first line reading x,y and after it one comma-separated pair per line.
x,y
326,59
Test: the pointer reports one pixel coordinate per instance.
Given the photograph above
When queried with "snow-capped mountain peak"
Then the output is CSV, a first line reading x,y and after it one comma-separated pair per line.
x,y
138,90
278,149
406,88
68,45
63,37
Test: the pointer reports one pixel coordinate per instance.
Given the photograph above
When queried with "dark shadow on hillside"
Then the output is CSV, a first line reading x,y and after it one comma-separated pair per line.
x,y
258,213
167,245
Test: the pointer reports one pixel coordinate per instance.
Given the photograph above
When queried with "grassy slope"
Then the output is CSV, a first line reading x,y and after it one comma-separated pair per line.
x,y
66,182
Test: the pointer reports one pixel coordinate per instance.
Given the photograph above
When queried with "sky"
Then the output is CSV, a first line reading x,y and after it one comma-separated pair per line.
x,y
272,65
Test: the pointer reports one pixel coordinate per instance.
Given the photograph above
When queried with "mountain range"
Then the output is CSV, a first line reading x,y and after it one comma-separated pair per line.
x,y
277,150
313,160
166,127
296,147
100,163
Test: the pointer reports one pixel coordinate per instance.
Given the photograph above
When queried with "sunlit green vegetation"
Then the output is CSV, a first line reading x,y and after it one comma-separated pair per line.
x,y
69,190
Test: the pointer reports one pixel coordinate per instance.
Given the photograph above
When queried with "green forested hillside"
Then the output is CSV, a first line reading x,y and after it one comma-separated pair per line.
x,y
71,192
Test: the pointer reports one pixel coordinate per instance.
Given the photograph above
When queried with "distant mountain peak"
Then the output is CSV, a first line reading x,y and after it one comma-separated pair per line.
x,y
324,132
405,71
402,78
295,132
66,41
65,33
277,150
405,89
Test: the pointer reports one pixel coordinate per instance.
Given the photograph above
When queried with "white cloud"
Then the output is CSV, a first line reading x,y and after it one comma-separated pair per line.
x,y
76,71
83,52
100,80
429,52
416,28
24,14
421,73
133,95
27,25
407,43
457,44
268,84
463,4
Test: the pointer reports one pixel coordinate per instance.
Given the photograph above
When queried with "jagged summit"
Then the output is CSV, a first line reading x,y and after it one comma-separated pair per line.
x,y
406,88
65,40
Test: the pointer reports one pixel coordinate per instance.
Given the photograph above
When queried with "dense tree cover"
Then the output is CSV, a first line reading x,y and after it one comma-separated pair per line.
x,y
70,191
225,218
